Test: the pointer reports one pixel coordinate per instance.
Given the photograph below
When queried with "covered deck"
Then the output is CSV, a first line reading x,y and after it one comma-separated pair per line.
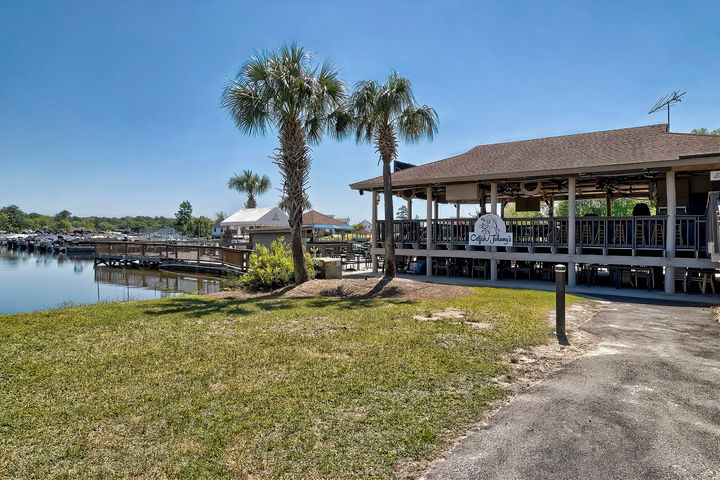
x,y
663,242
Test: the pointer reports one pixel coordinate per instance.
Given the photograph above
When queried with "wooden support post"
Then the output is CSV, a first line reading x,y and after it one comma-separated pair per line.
x,y
457,212
493,209
374,232
608,204
409,208
670,230
429,231
571,231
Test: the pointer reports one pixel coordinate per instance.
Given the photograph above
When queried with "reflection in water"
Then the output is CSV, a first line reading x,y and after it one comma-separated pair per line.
x,y
33,281
156,280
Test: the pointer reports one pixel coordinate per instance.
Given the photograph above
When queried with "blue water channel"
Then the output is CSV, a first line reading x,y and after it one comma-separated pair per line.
x,y
36,281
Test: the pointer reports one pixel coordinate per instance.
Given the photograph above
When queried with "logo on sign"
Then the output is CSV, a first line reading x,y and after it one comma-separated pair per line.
x,y
490,231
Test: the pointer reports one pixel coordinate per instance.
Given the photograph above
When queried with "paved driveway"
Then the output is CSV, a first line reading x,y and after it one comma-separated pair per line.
x,y
646,404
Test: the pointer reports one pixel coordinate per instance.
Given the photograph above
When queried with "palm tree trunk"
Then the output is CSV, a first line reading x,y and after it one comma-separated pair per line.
x,y
389,240
250,202
294,163
386,145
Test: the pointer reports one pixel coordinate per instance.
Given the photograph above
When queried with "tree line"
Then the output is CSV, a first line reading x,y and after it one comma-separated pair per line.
x,y
14,219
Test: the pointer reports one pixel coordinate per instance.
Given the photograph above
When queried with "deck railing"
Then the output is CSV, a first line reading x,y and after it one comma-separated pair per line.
x,y
538,232
182,253
591,232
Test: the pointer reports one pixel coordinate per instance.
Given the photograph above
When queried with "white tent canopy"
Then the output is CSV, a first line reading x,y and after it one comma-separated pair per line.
x,y
257,217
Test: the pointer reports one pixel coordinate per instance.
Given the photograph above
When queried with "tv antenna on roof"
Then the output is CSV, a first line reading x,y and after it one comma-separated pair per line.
x,y
666,101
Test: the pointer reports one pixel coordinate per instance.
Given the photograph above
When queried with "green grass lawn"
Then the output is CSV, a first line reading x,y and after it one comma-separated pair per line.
x,y
193,387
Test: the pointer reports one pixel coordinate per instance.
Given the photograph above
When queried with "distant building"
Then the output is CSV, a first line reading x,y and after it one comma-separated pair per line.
x,y
316,227
366,225
248,218
217,230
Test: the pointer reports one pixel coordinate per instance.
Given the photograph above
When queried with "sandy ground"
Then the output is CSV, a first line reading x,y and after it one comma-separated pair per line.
x,y
398,288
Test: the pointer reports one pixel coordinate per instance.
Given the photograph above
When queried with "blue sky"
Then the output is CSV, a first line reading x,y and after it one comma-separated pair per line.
x,y
112,108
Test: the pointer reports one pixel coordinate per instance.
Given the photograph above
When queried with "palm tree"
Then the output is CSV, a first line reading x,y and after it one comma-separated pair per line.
x,y
283,90
250,183
379,114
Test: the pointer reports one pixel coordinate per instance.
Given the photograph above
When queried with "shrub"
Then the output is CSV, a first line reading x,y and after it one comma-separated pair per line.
x,y
272,268
227,237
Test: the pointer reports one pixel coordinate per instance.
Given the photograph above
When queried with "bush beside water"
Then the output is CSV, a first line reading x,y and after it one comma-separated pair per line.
x,y
272,268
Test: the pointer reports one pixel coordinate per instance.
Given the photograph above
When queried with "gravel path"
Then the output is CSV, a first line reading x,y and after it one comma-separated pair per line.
x,y
644,404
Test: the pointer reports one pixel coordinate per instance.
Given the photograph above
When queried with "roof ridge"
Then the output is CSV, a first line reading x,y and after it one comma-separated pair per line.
x,y
655,125
694,134
665,125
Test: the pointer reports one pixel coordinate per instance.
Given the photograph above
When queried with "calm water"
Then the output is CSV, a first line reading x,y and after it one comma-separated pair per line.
x,y
35,281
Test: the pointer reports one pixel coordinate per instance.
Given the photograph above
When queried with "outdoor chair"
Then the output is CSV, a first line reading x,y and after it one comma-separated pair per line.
x,y
401,265
348,260
643,236
442,265
644,273
619,234
588,272
681,275
479,267
657,235
703,278
523,267
544,270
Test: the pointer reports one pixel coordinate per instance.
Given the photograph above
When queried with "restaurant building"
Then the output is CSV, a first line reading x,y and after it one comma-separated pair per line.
x,y
665,241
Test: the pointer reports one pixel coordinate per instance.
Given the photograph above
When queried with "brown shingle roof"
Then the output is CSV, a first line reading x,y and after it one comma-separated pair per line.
x,y
625,149
313,217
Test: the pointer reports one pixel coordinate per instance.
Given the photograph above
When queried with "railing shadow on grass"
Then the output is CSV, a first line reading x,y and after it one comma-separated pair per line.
x,y
198,307
338,297
201,306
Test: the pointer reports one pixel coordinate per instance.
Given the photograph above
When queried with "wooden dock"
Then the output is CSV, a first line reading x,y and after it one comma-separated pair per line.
x,y
199,258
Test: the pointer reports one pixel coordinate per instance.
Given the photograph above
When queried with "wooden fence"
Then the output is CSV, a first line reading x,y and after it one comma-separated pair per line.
x,y
173,252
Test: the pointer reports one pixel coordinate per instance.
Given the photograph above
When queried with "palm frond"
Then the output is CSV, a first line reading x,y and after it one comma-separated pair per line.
x,y
416,123
394,97
361,106
246,108
250,183
340,123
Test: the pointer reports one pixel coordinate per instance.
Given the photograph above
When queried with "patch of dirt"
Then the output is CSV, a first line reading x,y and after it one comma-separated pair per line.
x,y
449,312
369,287
528,366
